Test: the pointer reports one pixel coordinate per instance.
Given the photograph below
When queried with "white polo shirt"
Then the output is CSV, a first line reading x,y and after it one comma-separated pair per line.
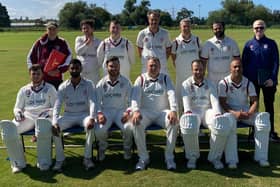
x,y
219,54
113,95
87,53
199,98
35,101
76,101
154,44
121,48
153,94
186,51
237,95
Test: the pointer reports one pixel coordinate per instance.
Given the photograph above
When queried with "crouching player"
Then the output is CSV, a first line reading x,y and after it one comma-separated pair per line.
x,y
201,104
113,95
78,99
237,95
33,108
153,101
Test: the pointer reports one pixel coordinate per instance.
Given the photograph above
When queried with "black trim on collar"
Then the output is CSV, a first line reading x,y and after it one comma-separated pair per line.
x,y
114,43
113,84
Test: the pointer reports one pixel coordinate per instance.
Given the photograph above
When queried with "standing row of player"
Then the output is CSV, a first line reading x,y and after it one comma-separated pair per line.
x,y
260,58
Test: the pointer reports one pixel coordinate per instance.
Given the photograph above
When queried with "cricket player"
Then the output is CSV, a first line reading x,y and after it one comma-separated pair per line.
x,y
218,52
86,49
201,105
238,96
77,97
33,108
113,96
41,50
154,41
185,49
116,45
154,101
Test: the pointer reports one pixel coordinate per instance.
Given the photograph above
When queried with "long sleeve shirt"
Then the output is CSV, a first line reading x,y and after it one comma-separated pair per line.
x,y
113,95
199,98
260,55
77,101
35,102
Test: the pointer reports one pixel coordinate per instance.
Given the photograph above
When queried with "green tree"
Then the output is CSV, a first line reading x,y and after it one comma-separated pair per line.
x,y
240,12
4,17
140,14
71,15
183,13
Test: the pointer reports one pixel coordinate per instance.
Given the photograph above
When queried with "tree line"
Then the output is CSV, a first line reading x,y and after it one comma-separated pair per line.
x,y
234,12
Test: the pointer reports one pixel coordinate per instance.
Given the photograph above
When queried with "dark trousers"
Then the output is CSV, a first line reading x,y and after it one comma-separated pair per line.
x,y
268,98
55,83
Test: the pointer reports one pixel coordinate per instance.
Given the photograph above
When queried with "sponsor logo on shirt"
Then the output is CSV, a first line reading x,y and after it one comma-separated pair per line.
x,y
113,95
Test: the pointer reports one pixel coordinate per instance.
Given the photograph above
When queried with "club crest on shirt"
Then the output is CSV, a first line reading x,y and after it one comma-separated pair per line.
x,y
28,93
146,39
105,87
57,47
122,46
161,39
252,47
231,89
192,88
265,46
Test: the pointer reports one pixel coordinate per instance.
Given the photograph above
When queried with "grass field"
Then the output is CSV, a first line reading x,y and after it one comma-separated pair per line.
x,y
14,47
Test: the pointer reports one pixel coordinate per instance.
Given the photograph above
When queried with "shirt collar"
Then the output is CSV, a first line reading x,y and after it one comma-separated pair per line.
x,y
37,88
198,85
112,83
115,41
187,41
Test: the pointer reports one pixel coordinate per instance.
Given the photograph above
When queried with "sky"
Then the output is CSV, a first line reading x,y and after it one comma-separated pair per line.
x,y
50,8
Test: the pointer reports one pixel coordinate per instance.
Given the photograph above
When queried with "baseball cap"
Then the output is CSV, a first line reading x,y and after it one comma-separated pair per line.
x,y
51,24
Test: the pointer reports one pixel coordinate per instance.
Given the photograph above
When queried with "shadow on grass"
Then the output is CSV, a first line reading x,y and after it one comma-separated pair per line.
x,y
247,168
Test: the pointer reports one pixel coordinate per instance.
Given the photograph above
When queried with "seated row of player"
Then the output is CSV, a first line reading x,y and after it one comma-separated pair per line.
x,y
151,100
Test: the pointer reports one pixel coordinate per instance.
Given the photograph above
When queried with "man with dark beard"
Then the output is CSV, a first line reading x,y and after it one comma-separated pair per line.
x,y
113,94
76,95
218,52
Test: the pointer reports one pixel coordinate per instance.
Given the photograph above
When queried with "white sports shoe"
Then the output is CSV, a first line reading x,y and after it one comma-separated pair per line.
x,y
191,163
264,163
170,164
16,169
142,164
43,167
127,154
218,164
232,165
101,155
88,163
58,166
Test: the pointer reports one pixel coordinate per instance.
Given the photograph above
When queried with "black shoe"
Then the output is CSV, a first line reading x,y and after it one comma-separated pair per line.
x,y
274,137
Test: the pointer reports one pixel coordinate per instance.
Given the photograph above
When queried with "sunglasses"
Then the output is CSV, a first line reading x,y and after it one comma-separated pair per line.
x,y
261,28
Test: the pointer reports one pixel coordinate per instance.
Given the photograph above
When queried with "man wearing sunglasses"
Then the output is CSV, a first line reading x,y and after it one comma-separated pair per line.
x,y
260,65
